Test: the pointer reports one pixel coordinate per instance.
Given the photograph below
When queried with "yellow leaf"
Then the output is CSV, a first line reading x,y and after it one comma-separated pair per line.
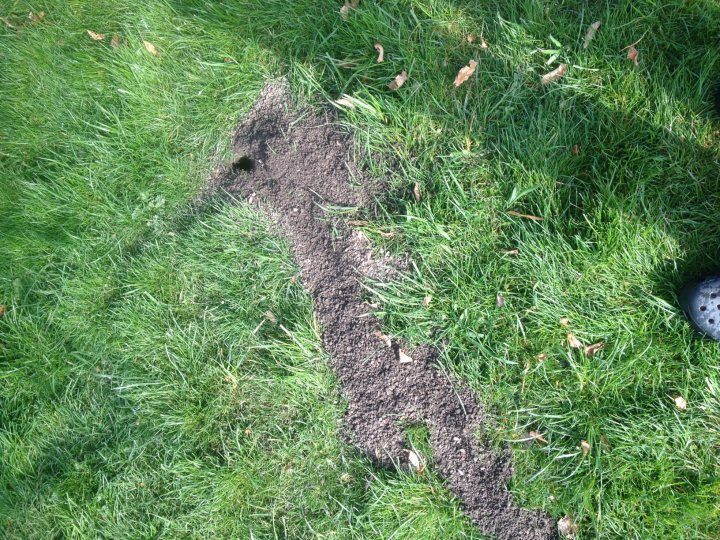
x,y
465,73
585,446
404,357
567,527
574,342
381,53
416,192
680,403
95,36
149,47
633,54
398,82
555,74
591,33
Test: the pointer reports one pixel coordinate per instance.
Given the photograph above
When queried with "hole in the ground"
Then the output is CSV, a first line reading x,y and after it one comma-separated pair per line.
x,y
243,164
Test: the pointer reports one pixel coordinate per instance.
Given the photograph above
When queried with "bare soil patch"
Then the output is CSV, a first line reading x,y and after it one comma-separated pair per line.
x,y
294,165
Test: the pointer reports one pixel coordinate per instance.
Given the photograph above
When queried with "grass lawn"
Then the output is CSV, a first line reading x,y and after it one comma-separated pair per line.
x,y
143,392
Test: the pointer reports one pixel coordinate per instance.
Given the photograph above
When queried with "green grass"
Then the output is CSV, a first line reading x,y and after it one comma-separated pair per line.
x,y
144,392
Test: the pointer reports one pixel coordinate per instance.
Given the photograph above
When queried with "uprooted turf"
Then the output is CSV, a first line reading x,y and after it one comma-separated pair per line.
x,y
137,397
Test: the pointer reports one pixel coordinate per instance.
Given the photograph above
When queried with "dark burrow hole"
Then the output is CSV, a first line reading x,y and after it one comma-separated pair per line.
x,y
243,164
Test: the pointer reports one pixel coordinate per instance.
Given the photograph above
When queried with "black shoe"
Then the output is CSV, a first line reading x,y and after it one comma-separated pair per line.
x,y
701,303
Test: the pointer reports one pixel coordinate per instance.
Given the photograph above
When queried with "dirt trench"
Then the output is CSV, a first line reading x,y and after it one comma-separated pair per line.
x,y
293,164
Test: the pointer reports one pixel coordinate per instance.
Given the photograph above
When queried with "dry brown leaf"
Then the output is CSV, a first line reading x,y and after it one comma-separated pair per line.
x,y
483,44
585,446
416,192
386,234
555,74
381,52
564,321
36,17
347,6
149,47
574,342
7,22
538,437
470,38
511,252
465,73
590,350
345,102
526,216
591,33
633,54
404,357
415,461
500,300
382,337
680,403
2,310
541,357
427,300
567,527
398,82
95,36
575,150
270,317
358,223
115,41
247,431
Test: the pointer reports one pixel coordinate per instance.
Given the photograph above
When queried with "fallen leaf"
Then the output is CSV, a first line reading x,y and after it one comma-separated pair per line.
x,y
541,357
36,17
590,350
555,74
416,192
7,22
427,300
344,102
2,310
575,150
347,6
585,446
633,54
382,337
95,36
149,47
381,53
680,403
270,317
483,44
564,321
591,33
398,82
526,216
115,41
470,38
538,437
415,461
404,357
465,73
511,252
247,431
567,527
358,223
500,300
386,234
574,342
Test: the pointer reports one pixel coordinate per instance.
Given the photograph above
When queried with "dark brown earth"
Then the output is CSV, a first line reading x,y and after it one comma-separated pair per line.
x,y
292,164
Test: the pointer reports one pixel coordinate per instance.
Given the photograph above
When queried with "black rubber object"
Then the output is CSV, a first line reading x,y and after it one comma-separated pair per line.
x,y
701,303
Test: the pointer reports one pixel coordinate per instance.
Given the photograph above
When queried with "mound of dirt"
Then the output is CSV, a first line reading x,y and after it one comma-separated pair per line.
x,y
294,165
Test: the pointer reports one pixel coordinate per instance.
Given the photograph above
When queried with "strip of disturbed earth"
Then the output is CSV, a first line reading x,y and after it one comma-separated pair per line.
x,y
293,166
